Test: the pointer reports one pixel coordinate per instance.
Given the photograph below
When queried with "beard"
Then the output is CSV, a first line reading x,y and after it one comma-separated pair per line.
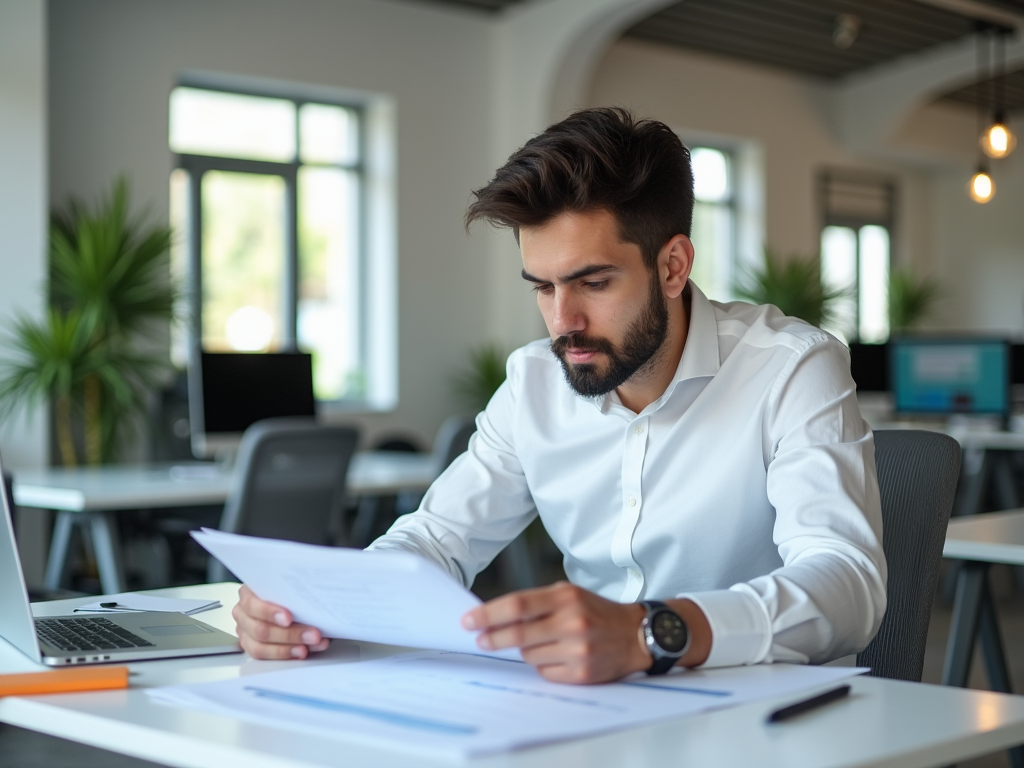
x,y
641,344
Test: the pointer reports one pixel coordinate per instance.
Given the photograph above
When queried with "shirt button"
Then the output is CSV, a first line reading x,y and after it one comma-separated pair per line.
x,y
632,501
639,429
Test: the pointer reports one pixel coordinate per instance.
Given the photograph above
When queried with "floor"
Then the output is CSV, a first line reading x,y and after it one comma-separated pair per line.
x,y
24,749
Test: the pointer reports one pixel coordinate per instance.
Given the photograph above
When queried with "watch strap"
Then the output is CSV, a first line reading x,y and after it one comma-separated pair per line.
x,y
662,661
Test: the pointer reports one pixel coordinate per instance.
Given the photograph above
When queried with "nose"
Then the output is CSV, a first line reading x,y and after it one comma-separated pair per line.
x,y
566,317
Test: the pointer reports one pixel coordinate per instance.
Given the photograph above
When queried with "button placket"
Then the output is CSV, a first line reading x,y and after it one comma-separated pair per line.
x,y
634,453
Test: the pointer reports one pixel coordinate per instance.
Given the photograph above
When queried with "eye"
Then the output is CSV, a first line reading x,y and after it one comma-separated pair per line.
x,y
596,285
543,288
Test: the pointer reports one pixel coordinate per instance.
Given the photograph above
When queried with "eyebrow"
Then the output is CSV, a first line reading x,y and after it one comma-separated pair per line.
x,y
587,271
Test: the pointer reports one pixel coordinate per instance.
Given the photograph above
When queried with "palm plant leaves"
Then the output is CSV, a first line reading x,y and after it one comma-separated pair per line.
x,y
910,299
108,277
110,265
478,383
793,285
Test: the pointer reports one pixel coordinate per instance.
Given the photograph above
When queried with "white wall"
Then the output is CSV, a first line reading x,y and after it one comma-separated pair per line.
x,y
23,216
23,203
784,114
977,252
114,62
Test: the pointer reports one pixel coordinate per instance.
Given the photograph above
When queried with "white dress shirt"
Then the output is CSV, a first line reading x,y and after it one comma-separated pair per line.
x,y
749,487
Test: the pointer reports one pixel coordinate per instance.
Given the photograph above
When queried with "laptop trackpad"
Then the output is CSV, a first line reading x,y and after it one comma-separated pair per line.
x,y
169,630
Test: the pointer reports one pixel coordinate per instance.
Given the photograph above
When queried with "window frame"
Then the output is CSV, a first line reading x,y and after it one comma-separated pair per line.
x,y
197,165
731,204
832,215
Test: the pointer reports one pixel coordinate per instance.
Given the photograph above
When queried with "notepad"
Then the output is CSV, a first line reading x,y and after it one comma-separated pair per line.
x,y
133,602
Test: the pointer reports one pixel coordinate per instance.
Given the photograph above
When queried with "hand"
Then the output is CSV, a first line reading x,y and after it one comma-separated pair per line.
x,y
569,634
266,630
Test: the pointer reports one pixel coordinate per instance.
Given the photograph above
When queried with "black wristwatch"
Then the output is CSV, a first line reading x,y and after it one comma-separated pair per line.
x,y
665,635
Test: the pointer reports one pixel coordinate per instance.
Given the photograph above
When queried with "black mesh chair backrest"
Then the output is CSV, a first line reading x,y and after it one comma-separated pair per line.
x,y
917,476
289,482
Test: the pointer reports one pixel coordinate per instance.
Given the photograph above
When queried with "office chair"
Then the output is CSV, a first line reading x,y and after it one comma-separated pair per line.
x,y
289,482
917,476
375,514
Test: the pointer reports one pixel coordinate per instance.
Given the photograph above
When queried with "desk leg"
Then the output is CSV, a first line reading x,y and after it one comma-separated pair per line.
x,y
106,542
971,582
995,660
60,548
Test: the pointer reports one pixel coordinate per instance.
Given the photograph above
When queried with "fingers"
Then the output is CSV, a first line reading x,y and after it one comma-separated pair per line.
x,y
524,605
266,631
261,609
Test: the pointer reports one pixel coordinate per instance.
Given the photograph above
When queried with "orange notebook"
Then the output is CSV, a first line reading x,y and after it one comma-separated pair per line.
x,y
64,681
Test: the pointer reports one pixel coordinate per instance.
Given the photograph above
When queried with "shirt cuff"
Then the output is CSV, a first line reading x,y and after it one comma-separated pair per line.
x,y
740,629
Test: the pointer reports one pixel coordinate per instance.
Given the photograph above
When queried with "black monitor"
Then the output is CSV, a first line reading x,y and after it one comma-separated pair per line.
x,y
950,375
869,366
229,391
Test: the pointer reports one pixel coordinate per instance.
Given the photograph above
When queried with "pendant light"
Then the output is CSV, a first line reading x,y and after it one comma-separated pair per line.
x,y
998,140
981,188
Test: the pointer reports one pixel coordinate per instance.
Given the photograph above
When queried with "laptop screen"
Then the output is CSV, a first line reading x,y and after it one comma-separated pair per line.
x,y
16,625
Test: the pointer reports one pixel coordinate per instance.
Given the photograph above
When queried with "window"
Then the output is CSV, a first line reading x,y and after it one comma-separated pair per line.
x,y
714,221
855,251
271,194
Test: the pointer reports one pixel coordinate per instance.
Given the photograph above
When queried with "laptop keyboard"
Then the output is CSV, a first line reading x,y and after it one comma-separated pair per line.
x,y
87,634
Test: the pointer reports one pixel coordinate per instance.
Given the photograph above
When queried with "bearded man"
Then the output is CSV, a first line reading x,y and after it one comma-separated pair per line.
x,y
703,467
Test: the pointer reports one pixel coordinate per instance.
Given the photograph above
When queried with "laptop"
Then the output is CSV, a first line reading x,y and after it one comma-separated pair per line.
x,y
60,641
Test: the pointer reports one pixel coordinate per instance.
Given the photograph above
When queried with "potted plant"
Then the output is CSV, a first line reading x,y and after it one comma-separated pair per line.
x,y
911,299
476,384
793,285
109,282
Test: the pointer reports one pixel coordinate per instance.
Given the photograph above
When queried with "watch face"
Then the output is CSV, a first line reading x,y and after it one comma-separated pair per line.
x,y
669,631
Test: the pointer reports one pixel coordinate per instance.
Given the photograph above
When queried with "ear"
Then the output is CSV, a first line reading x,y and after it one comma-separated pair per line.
x,y
675,260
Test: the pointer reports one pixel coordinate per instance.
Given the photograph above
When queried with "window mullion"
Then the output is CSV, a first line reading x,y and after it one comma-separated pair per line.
x,y
291,286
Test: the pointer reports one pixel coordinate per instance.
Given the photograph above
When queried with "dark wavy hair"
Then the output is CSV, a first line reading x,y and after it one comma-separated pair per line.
x,y
602,158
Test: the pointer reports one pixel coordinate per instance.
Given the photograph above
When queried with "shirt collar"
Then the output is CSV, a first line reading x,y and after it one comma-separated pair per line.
x,y
701,356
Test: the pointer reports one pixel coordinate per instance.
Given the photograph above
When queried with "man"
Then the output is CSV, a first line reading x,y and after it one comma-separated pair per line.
x,y
710,456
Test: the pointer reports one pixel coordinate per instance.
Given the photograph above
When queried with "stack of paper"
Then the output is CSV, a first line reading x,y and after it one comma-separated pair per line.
x,y
396,598
131,602
458,705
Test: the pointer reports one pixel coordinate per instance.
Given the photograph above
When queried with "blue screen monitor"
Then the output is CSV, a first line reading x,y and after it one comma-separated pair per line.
x,y
950,375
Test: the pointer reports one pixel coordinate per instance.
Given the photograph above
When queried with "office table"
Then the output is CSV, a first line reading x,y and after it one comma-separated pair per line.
x,y
978,541
92,496
884,722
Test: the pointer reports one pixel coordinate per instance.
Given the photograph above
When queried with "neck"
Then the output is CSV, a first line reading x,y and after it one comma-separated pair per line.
x,y
651,381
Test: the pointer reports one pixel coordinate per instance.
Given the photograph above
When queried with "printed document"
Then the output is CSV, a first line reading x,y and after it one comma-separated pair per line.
x,y
396,598
457,705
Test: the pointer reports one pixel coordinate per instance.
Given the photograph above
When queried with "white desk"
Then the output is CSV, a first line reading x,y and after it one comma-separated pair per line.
x,y
93,495
978,541
884,723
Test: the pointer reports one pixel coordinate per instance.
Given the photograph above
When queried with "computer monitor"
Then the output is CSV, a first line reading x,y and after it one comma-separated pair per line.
x,y
229,391
869,366
950,375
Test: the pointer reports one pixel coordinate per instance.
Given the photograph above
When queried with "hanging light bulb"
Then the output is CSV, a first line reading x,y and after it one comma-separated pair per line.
x,y
981,187
998,140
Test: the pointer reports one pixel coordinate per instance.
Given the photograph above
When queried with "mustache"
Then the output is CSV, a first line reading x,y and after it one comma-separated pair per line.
x,y
581,342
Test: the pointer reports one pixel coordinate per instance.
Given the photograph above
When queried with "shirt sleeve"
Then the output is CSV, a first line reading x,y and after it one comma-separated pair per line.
x,y
828,598
478,504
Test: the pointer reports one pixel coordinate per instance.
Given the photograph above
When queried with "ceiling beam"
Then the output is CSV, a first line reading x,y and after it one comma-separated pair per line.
x,y
868,107
973,9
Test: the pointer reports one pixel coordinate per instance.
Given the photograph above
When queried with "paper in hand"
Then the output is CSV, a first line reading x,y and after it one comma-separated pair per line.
x,y
396,598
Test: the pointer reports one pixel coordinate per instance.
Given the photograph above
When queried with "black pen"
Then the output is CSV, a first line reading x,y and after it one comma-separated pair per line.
x,y
808,704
